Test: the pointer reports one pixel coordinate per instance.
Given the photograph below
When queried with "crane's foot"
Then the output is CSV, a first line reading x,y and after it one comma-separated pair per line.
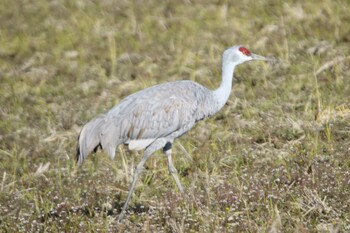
x,y
137,172
121,216
176,178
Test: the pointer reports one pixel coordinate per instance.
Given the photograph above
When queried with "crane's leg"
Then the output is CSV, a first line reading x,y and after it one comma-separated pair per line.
x,y
172,170
158,144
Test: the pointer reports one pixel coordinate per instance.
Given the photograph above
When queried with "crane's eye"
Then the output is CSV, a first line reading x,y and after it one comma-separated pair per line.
x,y
245,51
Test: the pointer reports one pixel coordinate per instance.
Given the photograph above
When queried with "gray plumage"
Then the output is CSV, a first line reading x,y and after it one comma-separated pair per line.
x,y
152,118
163,111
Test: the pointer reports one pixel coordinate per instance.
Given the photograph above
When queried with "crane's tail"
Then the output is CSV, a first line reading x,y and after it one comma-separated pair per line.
x,y
89,138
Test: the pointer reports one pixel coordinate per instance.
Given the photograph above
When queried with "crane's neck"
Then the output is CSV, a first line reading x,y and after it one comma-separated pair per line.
x,y
223,92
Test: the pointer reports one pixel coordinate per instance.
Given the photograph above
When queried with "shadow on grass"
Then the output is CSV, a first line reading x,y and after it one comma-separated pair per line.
x,y
65,210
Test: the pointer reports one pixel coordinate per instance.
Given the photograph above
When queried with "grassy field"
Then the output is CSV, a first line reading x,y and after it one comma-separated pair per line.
x,y
275,159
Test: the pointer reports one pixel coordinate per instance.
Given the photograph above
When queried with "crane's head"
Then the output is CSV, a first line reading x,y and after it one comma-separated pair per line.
x,y
239,54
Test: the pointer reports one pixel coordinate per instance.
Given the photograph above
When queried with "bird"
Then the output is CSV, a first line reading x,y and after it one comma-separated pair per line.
x,y
151,119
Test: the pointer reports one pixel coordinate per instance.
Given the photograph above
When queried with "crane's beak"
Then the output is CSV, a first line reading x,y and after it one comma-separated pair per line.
x,y
260,58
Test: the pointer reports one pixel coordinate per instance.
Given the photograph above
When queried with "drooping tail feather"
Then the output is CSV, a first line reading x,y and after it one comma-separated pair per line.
x,y
89,138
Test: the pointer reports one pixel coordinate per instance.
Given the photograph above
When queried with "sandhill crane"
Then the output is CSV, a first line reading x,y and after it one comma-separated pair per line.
x,y
152,118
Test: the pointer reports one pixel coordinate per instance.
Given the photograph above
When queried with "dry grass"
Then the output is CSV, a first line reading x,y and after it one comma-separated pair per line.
x,y
275,159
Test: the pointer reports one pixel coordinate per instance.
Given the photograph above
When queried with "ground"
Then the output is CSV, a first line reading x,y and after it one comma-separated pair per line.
x,y
275,159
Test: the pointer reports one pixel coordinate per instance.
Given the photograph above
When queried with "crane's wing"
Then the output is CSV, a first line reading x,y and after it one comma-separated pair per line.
x,y
156,112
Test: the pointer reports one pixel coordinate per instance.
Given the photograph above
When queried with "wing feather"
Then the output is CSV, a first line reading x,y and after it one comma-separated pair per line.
x,y
154,113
